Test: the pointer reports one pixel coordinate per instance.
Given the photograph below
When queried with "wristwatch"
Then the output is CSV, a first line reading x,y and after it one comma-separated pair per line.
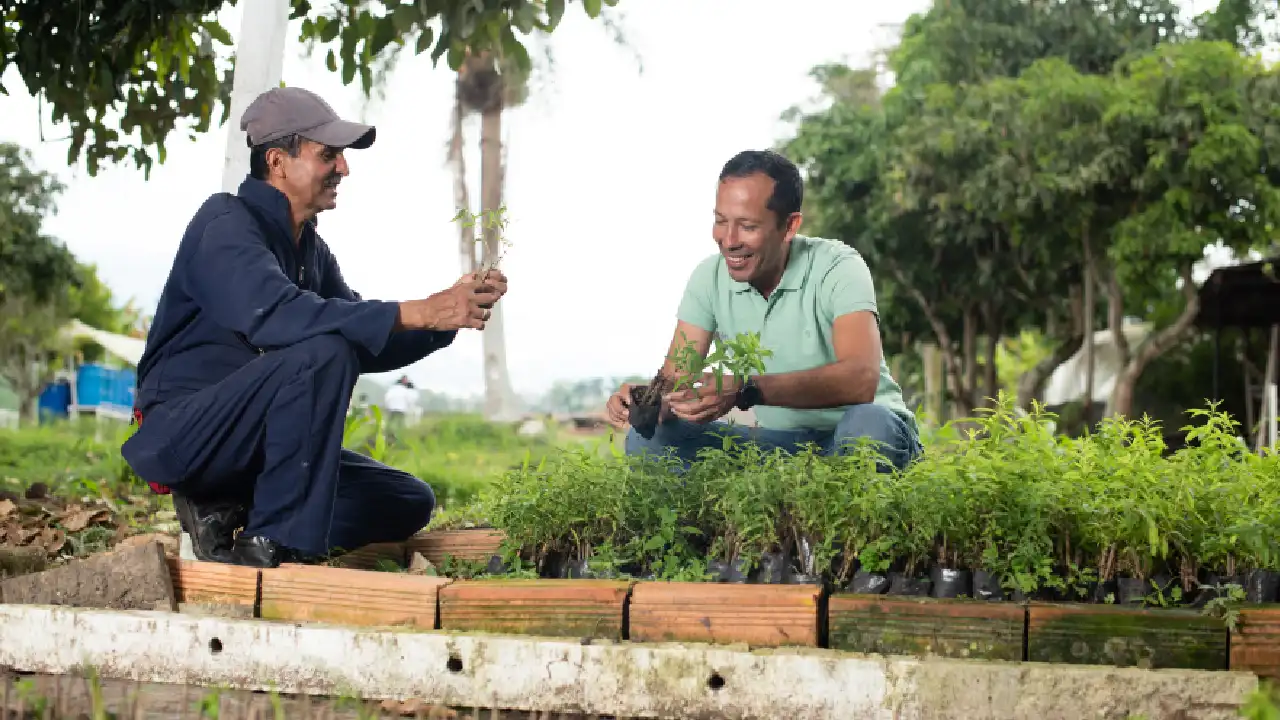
x,y
748,395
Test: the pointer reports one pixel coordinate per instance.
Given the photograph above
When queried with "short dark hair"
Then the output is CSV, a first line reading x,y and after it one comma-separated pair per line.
x,y
788,188
291,144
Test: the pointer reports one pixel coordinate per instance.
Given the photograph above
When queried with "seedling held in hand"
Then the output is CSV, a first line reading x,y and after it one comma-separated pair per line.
x,y
489,220
740,357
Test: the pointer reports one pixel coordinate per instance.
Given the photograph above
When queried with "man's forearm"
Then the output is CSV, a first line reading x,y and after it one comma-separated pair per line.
x,y
835,385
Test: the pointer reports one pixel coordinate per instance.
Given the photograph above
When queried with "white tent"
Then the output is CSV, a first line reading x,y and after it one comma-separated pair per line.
x,y
1067,382
128,349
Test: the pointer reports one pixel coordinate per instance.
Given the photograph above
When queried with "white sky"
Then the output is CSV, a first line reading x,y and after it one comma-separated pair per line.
x,y
610,179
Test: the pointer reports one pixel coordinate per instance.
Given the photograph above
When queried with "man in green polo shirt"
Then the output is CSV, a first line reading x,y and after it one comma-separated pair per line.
x,y
814,305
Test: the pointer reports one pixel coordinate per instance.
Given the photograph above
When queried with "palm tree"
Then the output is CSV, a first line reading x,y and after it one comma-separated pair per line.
x,y
487,84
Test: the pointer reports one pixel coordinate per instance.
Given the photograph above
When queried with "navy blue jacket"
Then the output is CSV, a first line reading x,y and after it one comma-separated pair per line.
x,y
240,286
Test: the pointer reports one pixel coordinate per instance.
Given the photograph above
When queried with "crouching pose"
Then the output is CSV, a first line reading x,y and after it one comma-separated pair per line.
x,y
254,351
813,304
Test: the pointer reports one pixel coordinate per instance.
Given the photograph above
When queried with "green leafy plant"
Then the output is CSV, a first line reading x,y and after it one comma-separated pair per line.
x,y
739,357
482,223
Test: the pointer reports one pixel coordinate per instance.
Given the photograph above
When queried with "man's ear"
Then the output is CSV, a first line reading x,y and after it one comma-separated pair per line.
x,y
275,158
793,226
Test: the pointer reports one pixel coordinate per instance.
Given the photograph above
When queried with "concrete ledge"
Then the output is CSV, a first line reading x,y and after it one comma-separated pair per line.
x,y
649,680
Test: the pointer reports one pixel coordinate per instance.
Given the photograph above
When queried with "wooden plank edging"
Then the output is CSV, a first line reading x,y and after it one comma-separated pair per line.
x,y
351,597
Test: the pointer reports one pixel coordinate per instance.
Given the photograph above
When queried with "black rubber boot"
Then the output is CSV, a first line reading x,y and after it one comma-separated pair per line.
x,y
211,525
262,552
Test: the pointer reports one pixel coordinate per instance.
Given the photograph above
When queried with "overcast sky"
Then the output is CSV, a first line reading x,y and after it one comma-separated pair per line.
x,y
610,184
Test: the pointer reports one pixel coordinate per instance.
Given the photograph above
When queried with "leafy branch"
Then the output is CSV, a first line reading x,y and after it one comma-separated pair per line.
x,y
740,357
487,221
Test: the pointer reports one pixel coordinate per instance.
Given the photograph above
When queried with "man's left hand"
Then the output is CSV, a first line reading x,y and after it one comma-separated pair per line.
x,y
705,404
495,280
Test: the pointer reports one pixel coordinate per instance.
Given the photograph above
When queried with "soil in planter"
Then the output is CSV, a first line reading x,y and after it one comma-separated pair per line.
x,y
728,572
770,570
1131,591
1213,586
1098,592
987,587
646,405
900,584
865,583
1262,586
496,566
950,583
578,570
795,577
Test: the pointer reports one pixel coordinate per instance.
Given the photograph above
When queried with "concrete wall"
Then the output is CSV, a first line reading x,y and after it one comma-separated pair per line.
x,y
669,681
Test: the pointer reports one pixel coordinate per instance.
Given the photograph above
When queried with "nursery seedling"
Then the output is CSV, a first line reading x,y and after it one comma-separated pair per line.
x,y
740,357
494,220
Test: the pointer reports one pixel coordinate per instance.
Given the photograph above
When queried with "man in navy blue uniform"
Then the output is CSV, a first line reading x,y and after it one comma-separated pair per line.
x,y
254,351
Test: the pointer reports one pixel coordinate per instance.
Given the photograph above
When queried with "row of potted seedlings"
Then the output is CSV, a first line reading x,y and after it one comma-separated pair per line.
x,y
1007,542
1124,552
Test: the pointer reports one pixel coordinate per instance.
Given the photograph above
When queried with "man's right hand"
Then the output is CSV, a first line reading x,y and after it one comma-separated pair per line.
x,y
465,305
618,409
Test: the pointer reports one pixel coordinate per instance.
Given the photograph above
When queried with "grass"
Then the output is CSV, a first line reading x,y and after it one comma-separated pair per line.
x,y
72,458
458,455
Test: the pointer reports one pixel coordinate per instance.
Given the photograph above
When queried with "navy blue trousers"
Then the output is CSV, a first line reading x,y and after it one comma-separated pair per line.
x,y
270,435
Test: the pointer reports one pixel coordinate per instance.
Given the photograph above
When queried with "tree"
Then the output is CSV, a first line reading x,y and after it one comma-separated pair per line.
x,y
1195,122
42,285
124,76
487,84
491,77
983,187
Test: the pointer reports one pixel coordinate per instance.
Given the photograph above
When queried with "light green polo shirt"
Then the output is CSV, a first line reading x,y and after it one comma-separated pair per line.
x,y
824,279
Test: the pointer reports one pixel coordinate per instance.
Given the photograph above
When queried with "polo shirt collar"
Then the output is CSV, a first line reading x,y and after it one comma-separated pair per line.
x,y
793,277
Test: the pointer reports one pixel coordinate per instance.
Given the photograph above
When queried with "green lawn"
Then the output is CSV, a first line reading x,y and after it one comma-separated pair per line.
x,y
457,455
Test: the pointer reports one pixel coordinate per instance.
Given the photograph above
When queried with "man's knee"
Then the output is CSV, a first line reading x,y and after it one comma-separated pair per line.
x,y
880,425
415,505
670,435
329,349
635,444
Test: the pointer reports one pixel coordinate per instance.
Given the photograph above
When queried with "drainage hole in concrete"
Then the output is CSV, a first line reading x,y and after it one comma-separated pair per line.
x,y
215,646
454,664
715,682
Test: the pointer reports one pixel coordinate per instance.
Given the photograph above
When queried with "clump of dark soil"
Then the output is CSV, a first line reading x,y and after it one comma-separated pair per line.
x,y
646,404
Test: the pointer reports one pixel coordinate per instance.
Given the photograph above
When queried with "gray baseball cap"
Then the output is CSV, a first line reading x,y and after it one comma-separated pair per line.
x,y
281,112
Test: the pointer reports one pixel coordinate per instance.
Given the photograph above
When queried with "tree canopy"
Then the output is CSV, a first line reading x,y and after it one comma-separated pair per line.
x,y
42,285
1029,153
126,76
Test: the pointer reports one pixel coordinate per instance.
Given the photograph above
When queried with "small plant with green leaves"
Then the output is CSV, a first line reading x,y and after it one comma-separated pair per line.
x,y
739,357
483,224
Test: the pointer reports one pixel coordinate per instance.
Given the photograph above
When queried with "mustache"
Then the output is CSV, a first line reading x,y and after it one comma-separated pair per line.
x,y
332,180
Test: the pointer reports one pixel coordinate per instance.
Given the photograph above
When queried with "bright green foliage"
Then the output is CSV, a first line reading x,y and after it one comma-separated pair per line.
x,y
740,357
74,459
123,80
457,455
42,286
124,76
1027,146
369,33
483,223
1038,510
